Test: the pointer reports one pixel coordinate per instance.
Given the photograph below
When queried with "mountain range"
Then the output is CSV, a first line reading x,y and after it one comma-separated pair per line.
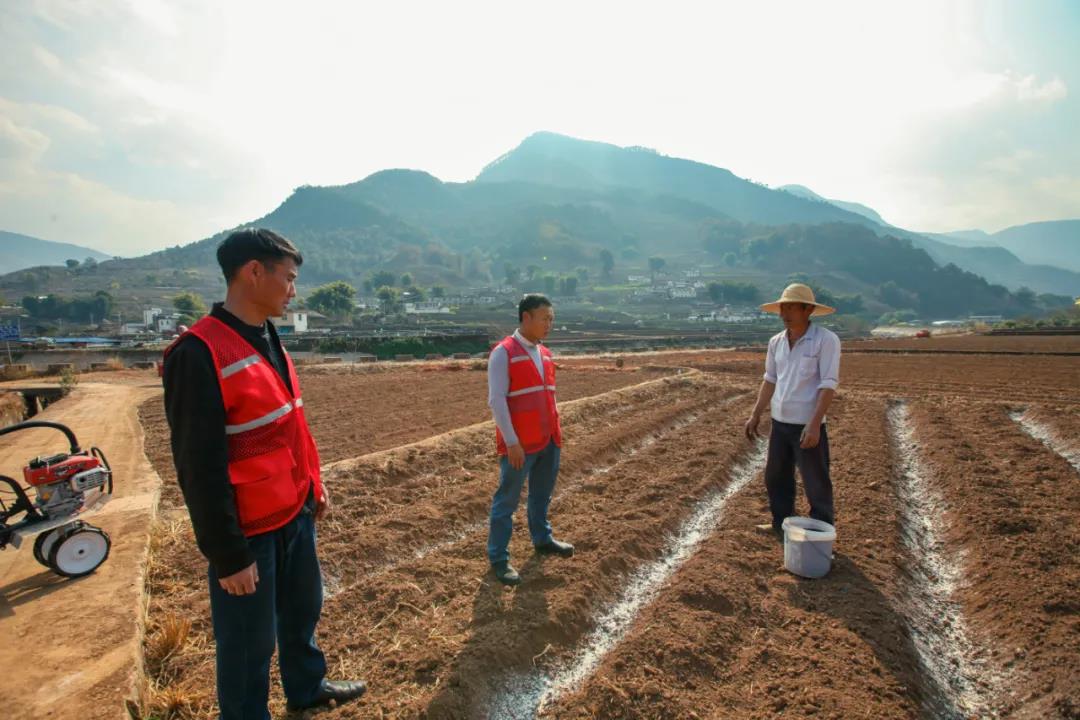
x,y
556,204
23,251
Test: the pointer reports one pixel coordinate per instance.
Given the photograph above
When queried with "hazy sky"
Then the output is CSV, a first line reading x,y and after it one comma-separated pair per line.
x,y
129,125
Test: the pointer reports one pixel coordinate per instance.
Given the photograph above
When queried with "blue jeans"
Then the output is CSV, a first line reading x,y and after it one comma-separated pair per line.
x,y
542,468
284,608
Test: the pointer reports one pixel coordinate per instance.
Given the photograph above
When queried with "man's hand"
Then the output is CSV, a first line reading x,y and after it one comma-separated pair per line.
x,y
516,455
322,504
752,427
810,437
241,583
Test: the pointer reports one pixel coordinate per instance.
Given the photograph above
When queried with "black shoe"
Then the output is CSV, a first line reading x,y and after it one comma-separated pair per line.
x,y
554,547
338,691
506,574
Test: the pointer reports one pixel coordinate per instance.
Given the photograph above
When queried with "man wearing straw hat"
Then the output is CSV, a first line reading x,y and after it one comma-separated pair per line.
x,y
802,370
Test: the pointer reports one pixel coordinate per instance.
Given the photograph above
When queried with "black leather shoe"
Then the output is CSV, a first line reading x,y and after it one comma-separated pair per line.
x,y
506,574
338,691
554,547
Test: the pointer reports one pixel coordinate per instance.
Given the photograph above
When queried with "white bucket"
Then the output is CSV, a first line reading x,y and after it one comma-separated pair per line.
x,y
808,546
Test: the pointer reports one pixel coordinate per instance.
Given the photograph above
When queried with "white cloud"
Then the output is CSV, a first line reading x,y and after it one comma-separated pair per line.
x,y
1028,88
200,115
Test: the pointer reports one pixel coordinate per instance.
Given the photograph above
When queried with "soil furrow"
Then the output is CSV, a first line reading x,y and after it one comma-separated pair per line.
x,y
734,635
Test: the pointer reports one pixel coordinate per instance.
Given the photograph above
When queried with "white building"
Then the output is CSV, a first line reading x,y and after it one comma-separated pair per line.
x,y
426,307
149,315
296,321
167,323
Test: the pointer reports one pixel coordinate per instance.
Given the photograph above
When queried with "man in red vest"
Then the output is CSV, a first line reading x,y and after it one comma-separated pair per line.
x,y
249,471
521,393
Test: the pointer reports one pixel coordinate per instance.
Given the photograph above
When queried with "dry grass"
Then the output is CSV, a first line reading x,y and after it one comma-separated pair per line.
x,y
165,642
173,703
12,408
9,372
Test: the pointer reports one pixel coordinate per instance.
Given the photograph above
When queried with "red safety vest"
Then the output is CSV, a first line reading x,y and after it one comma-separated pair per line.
x,y
531,399
272,456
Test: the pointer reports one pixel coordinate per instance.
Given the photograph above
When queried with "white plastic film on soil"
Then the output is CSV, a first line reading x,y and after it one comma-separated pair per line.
x,y
1049,438
956,682
524,696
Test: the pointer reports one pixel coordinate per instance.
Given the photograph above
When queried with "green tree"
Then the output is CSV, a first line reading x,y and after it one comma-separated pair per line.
x,y
1025,298
383,277
656,264
335,298
438,291
897,317
388,296
407,280
71,263
892,294
719,237
607,263
726,292
89,263
731,259
512,273
190,304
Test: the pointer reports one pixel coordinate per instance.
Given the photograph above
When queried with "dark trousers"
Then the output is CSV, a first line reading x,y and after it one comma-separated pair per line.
x,y
813,463
284,610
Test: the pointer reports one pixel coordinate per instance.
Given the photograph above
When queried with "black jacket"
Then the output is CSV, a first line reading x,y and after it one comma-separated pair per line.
x,y
196,414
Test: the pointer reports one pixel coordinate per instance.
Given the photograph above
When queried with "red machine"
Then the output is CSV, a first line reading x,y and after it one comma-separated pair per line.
x,y
65,486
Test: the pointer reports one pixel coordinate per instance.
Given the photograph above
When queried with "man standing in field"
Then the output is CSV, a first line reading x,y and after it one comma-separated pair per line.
x,y
802,371
249,471
521,394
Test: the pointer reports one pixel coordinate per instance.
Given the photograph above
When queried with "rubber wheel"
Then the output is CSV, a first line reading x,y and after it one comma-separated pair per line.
x,y
43,546
79,550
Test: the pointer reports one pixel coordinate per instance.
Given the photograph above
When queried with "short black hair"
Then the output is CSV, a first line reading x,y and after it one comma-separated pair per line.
x,y
530,302
243,246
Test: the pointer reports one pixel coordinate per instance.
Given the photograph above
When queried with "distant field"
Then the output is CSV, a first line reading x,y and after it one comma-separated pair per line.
x,y
977,343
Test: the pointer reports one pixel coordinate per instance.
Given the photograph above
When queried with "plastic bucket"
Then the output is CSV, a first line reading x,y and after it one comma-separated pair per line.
x,y
808,546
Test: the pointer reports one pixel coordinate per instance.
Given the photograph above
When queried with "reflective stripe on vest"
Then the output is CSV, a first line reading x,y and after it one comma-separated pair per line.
x,y
240,365
530,398
534,388
259,422
272,458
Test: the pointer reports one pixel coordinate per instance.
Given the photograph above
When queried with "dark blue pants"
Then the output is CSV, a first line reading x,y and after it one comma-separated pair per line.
x,y
813,464
284,611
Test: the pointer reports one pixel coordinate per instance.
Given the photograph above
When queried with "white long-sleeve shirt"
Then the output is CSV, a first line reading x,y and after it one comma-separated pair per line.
x,y
801,372
499,384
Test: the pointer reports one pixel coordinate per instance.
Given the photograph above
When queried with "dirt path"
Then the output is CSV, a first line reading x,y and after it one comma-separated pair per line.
x,y
66,651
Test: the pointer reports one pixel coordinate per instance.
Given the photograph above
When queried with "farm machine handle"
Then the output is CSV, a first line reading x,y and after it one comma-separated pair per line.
x,y
45,424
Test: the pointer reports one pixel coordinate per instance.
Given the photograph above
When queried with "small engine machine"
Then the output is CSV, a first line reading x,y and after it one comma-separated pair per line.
x,y
64,486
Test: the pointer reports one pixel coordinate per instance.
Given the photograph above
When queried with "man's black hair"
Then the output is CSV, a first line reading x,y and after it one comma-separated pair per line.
x,y
243,246
530,302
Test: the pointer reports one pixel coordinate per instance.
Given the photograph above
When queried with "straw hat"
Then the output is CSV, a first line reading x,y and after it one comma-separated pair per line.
x,y
798,293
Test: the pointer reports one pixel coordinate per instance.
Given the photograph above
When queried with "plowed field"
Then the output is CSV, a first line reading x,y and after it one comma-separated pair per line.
x,y
953,591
